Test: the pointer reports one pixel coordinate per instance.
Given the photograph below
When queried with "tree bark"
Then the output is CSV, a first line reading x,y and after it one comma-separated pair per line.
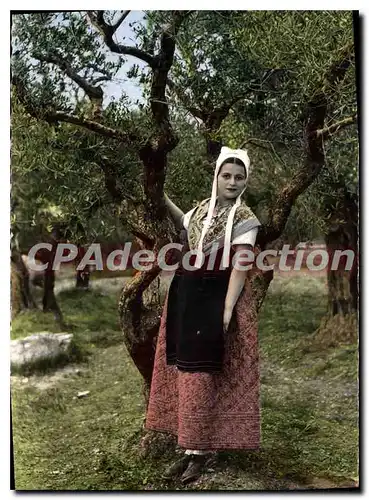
x,y
49,302
340,324
83,275
140,309
343,235
83,279
21,296
342,292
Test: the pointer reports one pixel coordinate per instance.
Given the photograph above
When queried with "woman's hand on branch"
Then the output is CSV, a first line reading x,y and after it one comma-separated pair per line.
x,y
227,315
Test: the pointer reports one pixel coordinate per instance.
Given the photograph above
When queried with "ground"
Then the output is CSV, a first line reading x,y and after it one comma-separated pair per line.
x,y
308,395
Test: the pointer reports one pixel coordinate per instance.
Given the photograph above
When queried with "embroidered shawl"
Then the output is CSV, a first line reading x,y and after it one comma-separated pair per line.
x,y
244,220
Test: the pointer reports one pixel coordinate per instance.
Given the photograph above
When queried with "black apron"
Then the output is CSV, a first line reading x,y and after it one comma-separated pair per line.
x,y
194,327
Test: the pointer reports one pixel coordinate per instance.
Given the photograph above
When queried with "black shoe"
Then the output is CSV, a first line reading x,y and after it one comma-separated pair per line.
x,y
195,468
177,467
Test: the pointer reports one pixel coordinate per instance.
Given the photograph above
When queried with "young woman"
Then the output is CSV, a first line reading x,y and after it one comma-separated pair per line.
x,y
205,386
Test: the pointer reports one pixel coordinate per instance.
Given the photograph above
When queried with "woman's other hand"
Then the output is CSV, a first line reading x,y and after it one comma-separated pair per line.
x,y
227,315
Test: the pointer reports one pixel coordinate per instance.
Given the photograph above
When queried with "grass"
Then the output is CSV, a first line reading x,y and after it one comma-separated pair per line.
x,y
91,315
309,407
106,273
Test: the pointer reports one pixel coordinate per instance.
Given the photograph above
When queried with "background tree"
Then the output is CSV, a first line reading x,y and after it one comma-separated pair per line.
x,y
334,196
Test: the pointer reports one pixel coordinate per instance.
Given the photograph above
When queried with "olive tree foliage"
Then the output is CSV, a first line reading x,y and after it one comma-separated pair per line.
x,y
328,207
250,79
207,76
311,40
60,66
58,60
186,180
304,44
58,194
57,182
58,179
293,108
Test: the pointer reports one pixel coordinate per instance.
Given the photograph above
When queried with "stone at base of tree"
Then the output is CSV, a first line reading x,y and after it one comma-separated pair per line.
x,y
155,444
39,347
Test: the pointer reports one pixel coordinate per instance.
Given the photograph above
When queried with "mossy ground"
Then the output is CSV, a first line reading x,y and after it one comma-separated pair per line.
x,y
309,405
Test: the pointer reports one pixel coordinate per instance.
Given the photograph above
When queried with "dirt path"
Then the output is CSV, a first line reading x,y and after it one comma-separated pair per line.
x,y
105,284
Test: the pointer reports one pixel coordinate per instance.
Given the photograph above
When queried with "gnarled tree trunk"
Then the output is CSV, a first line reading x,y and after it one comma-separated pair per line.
x,y
342,284
340,323
21,296
49,302
83,279
83,275
343,235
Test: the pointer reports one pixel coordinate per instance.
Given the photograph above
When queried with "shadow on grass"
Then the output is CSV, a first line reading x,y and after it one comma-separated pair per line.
x,y
291,313
287,431
90,310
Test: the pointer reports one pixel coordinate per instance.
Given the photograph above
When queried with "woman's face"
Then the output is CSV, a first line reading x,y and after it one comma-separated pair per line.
x,y
231,181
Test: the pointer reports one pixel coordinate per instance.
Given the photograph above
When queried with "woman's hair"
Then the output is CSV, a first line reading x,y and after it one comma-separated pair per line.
x,y
235,161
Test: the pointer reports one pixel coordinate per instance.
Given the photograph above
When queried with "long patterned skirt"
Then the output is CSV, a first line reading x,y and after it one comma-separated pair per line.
x,y
211,411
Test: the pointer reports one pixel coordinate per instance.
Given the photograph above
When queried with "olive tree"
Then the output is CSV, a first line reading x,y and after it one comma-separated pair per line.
x,y
213,65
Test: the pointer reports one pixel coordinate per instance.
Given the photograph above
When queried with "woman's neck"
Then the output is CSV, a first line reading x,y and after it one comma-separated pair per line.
x,y
223,202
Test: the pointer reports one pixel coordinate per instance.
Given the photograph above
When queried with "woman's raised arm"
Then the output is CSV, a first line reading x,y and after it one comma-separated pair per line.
x,y
175,212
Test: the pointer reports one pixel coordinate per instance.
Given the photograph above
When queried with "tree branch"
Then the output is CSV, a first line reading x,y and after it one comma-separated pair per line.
x,y
95,94
121,19
61,116
134,217
110,174
107,31
335,127
252,140
96,127
148,242
130,205
212,118
99,79
164,61
186,101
